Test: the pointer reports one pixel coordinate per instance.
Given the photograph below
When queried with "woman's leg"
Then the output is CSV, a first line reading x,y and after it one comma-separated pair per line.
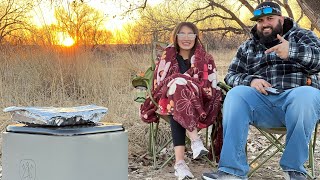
x,y
179,153
193,135
178,138
197,146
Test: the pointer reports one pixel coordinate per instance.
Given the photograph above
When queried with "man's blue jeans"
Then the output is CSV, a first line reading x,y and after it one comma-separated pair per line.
x,y
297,109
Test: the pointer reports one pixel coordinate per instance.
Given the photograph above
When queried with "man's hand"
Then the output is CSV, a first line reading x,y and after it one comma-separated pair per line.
x,y
260,84
281,50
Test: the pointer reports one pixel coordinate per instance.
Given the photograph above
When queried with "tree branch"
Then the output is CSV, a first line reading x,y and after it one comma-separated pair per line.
x,y
233,16
246,4
286,7
197,9
310,13
229,29
212,16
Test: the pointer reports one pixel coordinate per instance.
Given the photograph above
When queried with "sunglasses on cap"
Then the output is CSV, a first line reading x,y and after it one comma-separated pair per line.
x,y
266,11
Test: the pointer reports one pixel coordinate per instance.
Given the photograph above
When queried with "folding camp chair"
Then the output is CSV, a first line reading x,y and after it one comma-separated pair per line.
x,y
143,82
270,134
276,142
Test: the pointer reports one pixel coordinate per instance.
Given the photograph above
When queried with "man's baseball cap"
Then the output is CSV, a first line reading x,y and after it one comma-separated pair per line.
x,y
265,9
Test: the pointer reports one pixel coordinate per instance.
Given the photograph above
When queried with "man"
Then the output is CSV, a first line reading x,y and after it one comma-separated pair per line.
x,y
279,55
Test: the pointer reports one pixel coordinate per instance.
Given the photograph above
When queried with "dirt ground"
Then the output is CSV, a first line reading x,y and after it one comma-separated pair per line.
x,y
140,167
140,162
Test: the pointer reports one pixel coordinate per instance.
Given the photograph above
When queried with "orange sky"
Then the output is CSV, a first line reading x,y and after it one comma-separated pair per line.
x,y
44,14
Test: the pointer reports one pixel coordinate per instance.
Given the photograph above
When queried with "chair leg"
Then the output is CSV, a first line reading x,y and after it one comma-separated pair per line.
x,y
262,153
163,146
154,128
153,131
315,137
207,137
155,151
150,138
172,156
153,145
213,134
167,161
274,142
209,161
280,147
312,145
263,162
311,161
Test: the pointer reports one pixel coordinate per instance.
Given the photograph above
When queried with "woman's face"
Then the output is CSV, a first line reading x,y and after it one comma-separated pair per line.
x,y
186,38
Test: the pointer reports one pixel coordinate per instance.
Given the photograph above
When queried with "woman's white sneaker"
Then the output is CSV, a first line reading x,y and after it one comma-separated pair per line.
x,y
182,171
198,148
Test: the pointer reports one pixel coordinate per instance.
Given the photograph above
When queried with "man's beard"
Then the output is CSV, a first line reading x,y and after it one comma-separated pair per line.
x,y
272,36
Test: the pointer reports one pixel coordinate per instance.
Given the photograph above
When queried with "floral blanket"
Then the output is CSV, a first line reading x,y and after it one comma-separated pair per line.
x,y
193,98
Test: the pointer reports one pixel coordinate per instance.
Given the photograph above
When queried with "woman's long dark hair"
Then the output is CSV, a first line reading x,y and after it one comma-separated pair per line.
x,y
195,31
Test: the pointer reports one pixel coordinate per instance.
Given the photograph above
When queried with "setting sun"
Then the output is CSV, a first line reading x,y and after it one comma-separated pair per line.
x,y
67,42
65,39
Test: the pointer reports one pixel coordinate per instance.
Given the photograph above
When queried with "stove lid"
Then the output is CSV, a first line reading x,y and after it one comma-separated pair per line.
x,y
101,127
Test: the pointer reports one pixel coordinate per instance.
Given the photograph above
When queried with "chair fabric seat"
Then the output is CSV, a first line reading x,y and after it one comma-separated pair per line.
x,y
279,130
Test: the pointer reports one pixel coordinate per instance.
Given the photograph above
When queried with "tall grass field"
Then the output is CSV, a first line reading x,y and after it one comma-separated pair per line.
x,y
32,76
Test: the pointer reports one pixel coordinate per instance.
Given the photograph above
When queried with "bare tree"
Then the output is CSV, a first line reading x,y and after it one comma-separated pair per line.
x,y
227,15
217,15
81,22
312,9
13,17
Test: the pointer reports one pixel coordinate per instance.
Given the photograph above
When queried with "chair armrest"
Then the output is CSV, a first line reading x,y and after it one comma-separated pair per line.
x,y
224,86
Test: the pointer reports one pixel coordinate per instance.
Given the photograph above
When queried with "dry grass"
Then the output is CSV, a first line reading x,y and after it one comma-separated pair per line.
x,y
222,59
46,77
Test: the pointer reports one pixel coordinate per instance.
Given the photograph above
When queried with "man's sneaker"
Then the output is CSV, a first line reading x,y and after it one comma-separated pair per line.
x,y
182,171
294,175
198,149
220,175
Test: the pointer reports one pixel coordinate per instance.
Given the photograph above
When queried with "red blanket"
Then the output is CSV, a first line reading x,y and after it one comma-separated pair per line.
x,y
193,98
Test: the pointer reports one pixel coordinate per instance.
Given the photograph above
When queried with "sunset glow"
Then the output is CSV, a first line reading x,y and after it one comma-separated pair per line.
x,y
64,39
67,42
111,23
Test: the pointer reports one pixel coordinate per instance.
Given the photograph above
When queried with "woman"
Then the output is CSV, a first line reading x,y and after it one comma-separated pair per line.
x,y
185,88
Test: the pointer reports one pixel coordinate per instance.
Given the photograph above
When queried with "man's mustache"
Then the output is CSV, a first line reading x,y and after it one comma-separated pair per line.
x,y
267,27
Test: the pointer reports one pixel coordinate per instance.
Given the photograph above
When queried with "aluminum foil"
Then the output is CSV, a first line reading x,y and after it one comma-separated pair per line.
x,y
57,116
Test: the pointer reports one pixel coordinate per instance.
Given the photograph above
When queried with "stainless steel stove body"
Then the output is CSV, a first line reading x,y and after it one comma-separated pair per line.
x,y
86,152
